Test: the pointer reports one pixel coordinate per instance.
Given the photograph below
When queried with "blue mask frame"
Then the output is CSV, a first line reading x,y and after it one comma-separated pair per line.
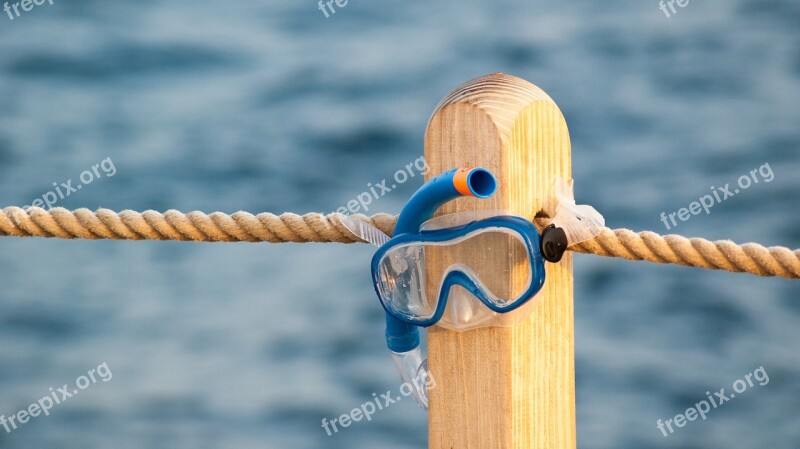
x,y
402,335
402,330
518,225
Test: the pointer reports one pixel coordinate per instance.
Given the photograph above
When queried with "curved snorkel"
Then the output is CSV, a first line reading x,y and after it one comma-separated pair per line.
x,y
403,338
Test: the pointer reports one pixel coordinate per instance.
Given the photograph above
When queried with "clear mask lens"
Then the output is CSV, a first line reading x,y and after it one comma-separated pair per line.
x,y
409,291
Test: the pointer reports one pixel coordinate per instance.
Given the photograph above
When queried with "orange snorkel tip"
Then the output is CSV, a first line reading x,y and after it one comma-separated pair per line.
x,y
477,182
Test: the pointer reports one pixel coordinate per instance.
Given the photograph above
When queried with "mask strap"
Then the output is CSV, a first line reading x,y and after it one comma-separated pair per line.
x,y
571,225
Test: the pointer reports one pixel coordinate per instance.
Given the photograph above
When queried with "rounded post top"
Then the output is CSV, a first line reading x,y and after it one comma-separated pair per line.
x,y
500,96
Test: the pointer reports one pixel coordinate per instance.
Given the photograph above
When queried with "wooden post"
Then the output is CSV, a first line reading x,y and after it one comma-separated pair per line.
x,y
505,387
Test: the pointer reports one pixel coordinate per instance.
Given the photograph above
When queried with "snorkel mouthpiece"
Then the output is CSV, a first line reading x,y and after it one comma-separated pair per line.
x,y
413,370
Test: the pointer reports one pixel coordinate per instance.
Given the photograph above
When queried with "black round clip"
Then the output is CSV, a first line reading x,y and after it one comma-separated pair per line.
x,y
553,243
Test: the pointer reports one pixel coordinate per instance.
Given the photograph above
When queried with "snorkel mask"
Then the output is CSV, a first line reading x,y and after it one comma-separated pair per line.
x,y
464,295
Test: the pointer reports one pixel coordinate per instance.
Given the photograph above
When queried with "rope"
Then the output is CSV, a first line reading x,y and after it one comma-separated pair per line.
x,y
314,227
174,225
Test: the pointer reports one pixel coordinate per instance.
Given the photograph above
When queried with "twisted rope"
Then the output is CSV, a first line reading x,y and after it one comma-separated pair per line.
x,y
314,227
174,225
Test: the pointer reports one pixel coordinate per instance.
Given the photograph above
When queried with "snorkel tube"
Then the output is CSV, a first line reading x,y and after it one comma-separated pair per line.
x,y
403,338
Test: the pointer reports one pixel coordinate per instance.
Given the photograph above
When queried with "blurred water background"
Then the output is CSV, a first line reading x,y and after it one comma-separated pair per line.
x,y
270,106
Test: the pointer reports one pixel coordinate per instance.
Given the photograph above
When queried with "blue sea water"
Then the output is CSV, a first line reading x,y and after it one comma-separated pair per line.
x,y
271,106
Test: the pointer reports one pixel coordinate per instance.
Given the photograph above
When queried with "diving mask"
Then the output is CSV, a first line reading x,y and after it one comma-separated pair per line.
x,y
468,293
